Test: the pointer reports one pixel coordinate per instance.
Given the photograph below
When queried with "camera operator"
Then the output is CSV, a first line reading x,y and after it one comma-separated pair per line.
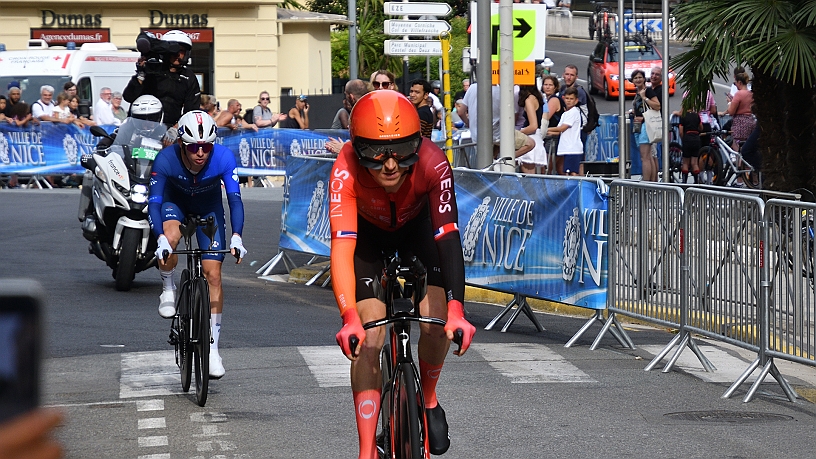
x,y
162,72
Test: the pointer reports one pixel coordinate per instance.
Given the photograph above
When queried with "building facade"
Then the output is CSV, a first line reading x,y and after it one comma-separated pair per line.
x,y
240,47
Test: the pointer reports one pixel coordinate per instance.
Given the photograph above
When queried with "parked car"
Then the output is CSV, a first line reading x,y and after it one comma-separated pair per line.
x,y
603,73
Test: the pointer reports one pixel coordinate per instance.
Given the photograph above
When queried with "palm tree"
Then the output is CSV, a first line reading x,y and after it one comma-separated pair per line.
x,y
777,40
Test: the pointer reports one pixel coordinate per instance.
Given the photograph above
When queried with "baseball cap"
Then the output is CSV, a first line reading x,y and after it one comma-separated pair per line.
x,y
13,84
302,97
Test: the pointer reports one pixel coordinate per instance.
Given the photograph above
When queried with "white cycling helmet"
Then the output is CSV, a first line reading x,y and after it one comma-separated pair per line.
x,y
148,108
179,37
197,126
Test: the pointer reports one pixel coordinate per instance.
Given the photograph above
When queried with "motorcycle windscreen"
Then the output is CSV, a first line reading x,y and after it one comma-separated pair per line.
x,y
138,142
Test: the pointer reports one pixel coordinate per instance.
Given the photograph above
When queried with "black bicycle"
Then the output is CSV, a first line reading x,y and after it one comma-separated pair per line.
x,y
190,328
404,430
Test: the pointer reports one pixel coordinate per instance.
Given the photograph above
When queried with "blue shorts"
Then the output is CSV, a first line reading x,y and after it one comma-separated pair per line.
x,y
172,211
572,163
642,137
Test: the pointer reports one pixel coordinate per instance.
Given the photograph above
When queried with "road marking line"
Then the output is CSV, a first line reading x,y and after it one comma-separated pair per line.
x,y
150,405
530,363
328,365
152,423
155,456
149,374
158,440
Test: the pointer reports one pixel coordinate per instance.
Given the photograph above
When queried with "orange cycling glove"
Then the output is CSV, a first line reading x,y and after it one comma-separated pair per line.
x,y
456,320
351,328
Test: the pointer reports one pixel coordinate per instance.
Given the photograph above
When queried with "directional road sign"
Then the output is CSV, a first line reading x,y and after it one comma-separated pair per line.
x,y
529,30
416,8
643,25
417,28
413,47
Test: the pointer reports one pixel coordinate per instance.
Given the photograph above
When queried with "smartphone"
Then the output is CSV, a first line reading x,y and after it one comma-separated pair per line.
x,y
21,303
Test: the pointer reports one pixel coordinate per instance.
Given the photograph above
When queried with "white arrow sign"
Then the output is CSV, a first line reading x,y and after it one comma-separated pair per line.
x,y
412,47
418,28
416,9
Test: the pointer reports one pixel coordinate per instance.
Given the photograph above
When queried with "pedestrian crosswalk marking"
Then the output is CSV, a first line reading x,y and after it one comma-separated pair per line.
x,y
328,365
530,363
149,374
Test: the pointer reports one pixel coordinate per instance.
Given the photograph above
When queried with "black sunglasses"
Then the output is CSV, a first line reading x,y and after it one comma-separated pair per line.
x,y
192,148
384,84
264,98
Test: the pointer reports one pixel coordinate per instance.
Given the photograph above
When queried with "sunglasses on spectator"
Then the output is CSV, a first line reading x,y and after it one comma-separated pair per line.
x,y
384,84
192,148
264,98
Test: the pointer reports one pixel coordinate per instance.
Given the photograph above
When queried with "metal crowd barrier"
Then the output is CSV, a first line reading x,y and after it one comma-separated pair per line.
x,y
728,266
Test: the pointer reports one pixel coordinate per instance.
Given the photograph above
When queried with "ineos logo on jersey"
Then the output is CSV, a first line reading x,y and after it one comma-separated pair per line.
x,y
336,185
446,187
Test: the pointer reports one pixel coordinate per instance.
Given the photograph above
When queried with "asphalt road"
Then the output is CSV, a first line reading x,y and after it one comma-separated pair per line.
x,y
519,394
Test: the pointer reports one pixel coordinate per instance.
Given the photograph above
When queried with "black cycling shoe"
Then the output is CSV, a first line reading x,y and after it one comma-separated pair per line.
x,y
438,438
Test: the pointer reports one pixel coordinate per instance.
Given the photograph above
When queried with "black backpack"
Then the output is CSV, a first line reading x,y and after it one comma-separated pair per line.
x,y
592,115
248,116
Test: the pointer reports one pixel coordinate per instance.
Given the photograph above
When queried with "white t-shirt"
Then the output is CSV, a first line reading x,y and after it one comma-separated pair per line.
x,y
103,114
62,113
570,141
40,109
470,102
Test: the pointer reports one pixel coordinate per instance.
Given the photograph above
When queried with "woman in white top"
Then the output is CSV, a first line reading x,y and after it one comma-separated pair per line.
x,y
63,112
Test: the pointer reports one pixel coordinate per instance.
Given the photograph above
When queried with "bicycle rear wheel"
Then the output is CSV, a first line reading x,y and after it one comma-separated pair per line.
x,y
201,338
407,430
184,348
711,164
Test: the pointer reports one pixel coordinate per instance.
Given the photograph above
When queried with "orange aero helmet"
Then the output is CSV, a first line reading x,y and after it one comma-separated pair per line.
x,y
385,124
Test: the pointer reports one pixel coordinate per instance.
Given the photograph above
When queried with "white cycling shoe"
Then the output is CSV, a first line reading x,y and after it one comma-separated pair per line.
x,y
216,366
167,304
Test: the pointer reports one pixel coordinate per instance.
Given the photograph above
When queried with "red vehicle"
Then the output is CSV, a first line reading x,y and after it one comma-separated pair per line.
x,y
603,74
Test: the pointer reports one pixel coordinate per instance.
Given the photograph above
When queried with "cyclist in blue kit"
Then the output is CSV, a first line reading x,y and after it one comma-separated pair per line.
x,y
186,179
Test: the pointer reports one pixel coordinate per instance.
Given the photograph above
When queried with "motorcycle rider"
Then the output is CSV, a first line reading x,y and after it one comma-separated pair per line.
x,y
186,178
146,108
175,85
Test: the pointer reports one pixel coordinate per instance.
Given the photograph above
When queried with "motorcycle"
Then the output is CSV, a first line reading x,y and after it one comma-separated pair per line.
x,y
117,179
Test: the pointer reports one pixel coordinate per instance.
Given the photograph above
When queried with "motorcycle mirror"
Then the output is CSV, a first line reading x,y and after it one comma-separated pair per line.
x,y
99,132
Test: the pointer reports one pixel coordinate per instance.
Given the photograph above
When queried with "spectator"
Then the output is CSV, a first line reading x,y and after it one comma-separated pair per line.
x,y
3,102
116,106
355,89
383,79
656,79
465,86
645,98
73,105
419,97
570,147
103,109
17,117
210,105
571,80
435,101
70,88
733,91
21,115
298,116
556,106
690,129
231,117
43,109
262,115
521,142
531,100
63,112
341,118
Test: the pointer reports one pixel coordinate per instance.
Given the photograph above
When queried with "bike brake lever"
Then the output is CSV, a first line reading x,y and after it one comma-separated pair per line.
x,y
165,255
458,336
353,343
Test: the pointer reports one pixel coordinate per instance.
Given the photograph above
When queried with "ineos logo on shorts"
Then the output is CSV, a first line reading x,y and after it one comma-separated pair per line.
x,y
367,409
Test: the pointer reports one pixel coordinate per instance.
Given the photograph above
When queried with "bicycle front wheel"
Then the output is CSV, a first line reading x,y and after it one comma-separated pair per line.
x,y
184,346
407,429
201,338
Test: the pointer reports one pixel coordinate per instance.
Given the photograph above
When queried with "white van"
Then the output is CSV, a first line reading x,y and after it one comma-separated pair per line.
x,y
91,67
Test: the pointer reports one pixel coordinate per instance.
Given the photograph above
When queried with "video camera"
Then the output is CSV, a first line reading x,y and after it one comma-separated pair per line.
x,y
154,51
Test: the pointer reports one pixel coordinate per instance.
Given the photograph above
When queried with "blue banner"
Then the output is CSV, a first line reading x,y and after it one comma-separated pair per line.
x,y
305,212
55,148
541,237
602,143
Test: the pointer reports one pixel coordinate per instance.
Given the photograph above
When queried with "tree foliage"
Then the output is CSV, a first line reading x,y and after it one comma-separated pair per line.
x,y
776,39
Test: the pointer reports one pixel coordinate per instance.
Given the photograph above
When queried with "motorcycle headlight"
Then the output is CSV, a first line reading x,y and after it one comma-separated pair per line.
x,y
101,174
138,194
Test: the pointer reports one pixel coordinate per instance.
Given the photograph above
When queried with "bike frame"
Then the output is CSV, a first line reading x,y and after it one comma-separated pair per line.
x,y
730,159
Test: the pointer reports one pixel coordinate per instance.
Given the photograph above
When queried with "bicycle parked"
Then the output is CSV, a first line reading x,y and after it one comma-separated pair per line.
x,y
190,328
404,431
722,166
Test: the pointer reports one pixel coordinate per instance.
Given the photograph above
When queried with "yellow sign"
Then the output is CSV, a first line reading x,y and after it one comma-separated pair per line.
x,y
523,72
